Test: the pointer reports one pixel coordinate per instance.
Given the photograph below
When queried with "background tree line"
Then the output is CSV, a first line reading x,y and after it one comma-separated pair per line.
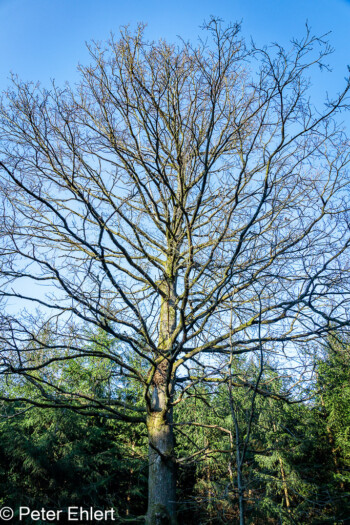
x,y
296,468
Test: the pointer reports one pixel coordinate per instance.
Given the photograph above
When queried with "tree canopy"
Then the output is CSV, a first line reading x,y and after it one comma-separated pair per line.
x,y
188,202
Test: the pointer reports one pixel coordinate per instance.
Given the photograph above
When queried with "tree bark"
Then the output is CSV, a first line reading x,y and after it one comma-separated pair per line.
x,y
283,475
162,475
284,481
240,491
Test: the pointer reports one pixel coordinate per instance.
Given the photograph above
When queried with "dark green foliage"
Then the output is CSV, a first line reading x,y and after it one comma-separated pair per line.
x,y
55,459
296,468
294,472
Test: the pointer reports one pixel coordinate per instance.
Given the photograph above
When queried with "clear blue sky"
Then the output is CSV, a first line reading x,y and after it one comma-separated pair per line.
x,y
43,39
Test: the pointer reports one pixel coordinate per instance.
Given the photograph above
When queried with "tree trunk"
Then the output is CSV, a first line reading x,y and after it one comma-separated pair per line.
x,y
284,481
283,476
240,494
162,475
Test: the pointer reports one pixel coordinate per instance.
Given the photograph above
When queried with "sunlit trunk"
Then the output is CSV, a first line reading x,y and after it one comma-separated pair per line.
x,y
161,478
162,473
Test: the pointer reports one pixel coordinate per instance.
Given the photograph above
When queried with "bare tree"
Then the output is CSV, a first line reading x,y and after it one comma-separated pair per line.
x,y
171,186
